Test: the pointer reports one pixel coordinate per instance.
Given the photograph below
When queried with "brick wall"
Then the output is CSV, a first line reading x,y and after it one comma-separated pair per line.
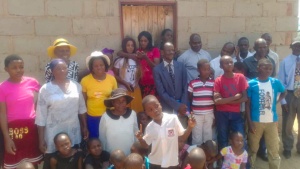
x,y
29,27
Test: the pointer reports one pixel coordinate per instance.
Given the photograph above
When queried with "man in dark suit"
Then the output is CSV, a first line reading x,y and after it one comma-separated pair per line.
x,y
170,79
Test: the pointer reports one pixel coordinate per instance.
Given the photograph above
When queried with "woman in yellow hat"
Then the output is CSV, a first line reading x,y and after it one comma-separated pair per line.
x,y
61,48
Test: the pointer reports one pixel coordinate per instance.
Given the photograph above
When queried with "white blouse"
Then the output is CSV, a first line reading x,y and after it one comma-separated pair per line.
x,y
118,132
58,112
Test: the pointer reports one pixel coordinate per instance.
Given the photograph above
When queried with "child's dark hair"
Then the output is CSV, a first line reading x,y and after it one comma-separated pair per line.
x,y
140,114
241,39
233,134
201,62
91,140
142,151
133,160
124,43
95,58
11,58
264,61
239,66
59,134
117,156
165,31
148,36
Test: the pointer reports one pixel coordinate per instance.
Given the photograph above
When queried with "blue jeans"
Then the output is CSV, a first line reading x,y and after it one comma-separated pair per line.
x,y
93,126
228,122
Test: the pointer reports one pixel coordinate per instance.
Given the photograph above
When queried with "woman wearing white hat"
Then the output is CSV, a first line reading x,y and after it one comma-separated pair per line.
x,y
62,49
96,87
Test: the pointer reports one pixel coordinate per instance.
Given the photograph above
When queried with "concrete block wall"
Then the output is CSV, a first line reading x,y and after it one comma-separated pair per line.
x,y
29,27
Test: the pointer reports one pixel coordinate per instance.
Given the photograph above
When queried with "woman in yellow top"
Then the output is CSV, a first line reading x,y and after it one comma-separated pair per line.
x,y
96,87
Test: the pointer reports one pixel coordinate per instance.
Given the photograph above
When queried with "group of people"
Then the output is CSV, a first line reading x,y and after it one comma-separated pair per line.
x,y
151,107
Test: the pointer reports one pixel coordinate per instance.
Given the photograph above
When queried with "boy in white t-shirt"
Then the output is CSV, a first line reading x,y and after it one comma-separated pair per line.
x,y
162,133
261,113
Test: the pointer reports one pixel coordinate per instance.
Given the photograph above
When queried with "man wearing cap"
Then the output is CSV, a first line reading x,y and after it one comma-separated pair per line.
x,y
62,49
289,75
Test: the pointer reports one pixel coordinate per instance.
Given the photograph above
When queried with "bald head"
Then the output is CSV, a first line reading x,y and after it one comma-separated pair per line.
x,y
197,158
117,156
225,58
25,165
259,41
167,44
134,161
211,148
168,52
261,47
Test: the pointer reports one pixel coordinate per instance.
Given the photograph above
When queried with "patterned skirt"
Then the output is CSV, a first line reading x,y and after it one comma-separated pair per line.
x,y
24,134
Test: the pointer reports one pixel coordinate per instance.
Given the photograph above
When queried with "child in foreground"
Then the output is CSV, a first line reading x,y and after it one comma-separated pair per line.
x,y
235,156
134,161
66,157
138,149
97,158
210,149
162,133
196,159
117,159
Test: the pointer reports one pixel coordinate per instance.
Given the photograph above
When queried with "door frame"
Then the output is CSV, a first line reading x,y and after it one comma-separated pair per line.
x,y
173,4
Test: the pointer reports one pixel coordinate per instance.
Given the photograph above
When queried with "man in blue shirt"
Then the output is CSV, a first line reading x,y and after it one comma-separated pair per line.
x,y
289,75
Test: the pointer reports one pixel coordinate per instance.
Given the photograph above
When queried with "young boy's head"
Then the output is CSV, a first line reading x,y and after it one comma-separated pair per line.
x,y
94,147
14,66
239,67
226,63
204,68
117,158
63,144
25,165
197,158
210,148
236,140
137,148
264,68
134,161
152,107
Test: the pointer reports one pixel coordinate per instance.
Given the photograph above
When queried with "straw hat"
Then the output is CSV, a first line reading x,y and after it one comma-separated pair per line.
x,y
117,93
96,54
61,42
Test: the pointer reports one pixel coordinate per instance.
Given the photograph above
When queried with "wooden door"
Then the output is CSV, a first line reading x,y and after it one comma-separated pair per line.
x,y
153,18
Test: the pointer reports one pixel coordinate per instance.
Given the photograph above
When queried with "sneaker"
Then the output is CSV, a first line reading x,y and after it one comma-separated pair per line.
x,y
287,154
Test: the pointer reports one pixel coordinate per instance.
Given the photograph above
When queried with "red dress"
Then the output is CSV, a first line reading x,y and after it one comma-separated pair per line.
x,y
147,81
